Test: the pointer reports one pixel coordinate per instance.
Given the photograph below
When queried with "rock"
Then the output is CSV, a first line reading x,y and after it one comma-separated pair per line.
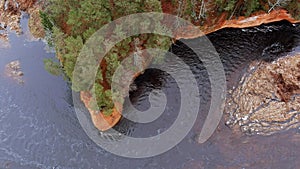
x,y
132,87
267,100
4,43
20,73
13,70
14,64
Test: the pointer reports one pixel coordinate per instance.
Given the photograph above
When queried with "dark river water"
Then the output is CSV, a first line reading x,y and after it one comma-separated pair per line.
x,y
39,127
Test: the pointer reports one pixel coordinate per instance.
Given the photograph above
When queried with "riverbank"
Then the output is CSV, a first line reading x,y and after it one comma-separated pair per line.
x,y
242,22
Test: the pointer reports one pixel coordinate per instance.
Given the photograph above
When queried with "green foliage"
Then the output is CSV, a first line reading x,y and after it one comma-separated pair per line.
x,y
235,7
230,5
57,9
252,6
294,8
219,2
73,46
189,9
123,8
88,15
48,27
74,22
158,41
88,33
58,38
53,67
152,6
103,98
46,22
112,62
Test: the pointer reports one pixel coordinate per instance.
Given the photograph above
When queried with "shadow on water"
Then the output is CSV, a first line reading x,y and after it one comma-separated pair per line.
x,y
39,129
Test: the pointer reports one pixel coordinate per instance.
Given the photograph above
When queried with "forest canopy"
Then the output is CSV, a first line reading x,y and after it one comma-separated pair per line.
x,y
71,23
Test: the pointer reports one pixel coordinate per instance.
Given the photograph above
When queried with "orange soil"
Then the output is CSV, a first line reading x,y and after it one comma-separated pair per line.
x,y
100,121
243,22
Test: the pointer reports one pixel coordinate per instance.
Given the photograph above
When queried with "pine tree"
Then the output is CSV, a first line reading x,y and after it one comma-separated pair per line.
x,y
74,22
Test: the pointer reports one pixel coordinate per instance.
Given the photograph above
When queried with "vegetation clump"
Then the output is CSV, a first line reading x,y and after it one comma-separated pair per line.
x,y
72,23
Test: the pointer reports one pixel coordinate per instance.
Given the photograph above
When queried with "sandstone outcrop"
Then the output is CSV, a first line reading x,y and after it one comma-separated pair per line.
x,y
267,100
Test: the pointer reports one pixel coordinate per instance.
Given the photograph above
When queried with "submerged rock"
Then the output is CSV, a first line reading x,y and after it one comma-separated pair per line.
x,y
4,43
267,99
13,70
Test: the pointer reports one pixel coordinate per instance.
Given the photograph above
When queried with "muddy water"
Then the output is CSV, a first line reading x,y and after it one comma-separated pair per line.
x,y
39,128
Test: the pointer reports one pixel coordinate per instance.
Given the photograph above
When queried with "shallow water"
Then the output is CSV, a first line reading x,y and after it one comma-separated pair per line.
x,y
39,127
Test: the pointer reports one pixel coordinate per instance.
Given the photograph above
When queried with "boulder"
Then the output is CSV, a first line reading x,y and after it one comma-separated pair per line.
x,y
267,99
13,70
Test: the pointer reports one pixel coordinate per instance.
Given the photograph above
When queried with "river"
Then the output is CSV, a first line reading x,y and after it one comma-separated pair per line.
x,y
39,127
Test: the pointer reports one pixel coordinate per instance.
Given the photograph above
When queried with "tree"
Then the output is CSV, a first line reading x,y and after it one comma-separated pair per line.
x,y
251,6
74,22
53,67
